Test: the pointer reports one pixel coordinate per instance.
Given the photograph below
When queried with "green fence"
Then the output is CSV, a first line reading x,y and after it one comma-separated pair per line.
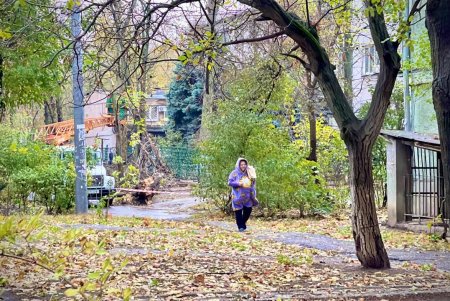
x,y
181,162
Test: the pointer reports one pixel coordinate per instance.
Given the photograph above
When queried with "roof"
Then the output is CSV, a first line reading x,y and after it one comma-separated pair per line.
x,y
158,94
419,139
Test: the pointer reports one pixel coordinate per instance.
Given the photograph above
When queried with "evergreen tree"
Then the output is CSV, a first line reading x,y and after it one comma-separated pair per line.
x,y
185,100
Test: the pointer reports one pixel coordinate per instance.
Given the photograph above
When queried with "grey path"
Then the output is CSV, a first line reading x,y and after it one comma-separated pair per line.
x,y
346,247
180,209
177,209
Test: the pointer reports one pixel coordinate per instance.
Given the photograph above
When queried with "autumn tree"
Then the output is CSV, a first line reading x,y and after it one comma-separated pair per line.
x,y
359,134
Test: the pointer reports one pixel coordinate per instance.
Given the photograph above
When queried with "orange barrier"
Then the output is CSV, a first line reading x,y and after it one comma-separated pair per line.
x,y
60,132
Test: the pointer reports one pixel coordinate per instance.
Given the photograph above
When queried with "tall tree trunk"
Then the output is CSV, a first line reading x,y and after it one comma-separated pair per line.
x,y
142,155
208,92
49,111
438,24
59,109
359,140
366,232
122,74
312,135
2,93
53,110
311,88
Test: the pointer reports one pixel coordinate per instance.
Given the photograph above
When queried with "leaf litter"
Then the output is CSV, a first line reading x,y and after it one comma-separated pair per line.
x,y
196,261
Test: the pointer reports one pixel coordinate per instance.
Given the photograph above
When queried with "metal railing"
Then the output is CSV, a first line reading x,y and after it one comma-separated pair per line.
x,y
425,186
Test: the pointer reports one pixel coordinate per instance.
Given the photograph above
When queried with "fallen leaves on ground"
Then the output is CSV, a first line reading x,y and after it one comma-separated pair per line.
x,y
194,260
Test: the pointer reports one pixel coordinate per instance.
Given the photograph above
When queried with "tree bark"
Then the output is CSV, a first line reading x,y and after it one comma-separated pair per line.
x,y
312,135
59,109
366,232
438,24
48,111
2,101
122,76
311,86
348,68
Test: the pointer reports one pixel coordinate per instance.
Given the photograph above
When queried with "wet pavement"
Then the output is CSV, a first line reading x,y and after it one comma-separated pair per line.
x,y
177,209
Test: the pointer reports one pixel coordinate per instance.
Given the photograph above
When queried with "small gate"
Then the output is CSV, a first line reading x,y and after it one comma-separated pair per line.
x,y
425,186
181,161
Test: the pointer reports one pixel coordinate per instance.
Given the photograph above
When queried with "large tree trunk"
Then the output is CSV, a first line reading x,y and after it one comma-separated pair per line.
x,y
359,140
122,75
348,69
438,24
366,232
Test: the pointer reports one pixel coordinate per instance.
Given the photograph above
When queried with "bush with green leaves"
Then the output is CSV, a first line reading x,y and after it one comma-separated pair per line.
x,y
254,122
33,171
286,180
331,157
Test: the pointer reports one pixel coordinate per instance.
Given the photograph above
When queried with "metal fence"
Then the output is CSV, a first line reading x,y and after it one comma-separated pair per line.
x,y
181,161
425,186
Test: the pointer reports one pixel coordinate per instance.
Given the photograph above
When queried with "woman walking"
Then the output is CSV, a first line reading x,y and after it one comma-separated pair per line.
x,y
243,182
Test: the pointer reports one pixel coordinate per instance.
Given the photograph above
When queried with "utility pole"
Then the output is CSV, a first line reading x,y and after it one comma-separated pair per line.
x,y
81,205
406,55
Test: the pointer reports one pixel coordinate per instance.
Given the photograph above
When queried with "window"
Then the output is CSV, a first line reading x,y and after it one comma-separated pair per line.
x,y
153,113
371,63
157,113
162,112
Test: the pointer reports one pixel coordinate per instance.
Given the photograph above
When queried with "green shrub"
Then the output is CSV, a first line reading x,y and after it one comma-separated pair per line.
x,y
285,178
253,122
28,166
332,158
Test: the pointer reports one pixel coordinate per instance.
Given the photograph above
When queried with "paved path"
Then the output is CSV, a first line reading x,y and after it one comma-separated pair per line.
x,y
346,247
177,209
180,209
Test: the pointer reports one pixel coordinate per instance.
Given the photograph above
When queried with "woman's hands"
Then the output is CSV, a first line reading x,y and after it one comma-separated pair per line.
x,y
245,182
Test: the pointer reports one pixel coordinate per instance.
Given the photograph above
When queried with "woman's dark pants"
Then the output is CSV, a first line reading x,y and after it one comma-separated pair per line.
x,y
242,217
